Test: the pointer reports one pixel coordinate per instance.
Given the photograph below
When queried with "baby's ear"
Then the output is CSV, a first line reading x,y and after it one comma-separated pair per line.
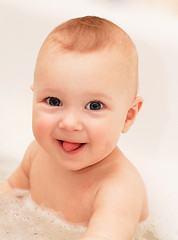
x,y
132,113
32,87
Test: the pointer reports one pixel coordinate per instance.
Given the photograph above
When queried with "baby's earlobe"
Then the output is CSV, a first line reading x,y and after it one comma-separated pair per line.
x,y
132,113
32,87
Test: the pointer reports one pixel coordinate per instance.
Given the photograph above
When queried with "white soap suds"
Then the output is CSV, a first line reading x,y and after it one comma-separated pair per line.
x,y
22,219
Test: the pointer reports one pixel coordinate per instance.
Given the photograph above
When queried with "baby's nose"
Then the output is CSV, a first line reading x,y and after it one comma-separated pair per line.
x,y
71,122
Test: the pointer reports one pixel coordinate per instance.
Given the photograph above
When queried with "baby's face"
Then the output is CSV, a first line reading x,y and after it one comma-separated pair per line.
x,y
80,106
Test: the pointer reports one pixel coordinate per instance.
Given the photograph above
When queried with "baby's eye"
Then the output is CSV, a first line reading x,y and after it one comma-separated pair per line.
x,y
53,101
94,105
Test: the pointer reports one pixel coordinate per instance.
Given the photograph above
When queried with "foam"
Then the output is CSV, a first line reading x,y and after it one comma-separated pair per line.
x,y
22,219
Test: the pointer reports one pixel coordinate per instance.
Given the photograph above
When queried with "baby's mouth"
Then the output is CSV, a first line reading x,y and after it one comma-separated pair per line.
x,y
70,146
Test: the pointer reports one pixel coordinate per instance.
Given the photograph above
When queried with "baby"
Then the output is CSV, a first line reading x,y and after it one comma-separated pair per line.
x,y
85,96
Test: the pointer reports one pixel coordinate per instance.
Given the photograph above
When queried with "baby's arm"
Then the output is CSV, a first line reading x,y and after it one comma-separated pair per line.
x,y
5,187
117,210
20,177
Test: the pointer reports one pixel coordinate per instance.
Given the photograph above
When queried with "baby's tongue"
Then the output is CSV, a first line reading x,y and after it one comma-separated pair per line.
x,y
68,146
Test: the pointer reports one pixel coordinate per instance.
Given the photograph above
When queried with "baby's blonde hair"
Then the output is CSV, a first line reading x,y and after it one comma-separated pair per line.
x,y
88,34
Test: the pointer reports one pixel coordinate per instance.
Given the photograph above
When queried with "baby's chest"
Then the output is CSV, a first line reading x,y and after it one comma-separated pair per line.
x,y
71,198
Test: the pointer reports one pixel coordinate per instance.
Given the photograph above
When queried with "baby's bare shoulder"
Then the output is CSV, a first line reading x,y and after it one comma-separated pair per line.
x,y
121,170
34,151
20,177
124,186
33,148
132,179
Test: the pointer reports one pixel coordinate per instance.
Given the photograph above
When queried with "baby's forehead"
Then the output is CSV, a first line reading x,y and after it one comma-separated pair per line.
x,y
125,52
112,58
108,67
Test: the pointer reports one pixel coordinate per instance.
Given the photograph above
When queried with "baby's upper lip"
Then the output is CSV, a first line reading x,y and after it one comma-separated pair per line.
x,y
70,141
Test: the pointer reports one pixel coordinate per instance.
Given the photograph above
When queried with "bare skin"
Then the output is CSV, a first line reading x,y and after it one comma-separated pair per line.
x,y
74,165
109,196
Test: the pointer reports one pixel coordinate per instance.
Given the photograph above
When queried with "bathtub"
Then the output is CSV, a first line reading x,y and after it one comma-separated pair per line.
x,y
151,144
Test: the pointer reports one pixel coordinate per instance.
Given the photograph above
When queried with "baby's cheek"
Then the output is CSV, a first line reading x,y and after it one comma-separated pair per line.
x,y
104,135
104,142
109,134
41,126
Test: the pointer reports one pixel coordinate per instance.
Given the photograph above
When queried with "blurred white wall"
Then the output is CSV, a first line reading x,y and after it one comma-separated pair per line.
x,y
25,24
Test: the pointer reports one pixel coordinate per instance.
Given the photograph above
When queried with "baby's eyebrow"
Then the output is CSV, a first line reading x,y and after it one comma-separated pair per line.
x,y
98,95
48,89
